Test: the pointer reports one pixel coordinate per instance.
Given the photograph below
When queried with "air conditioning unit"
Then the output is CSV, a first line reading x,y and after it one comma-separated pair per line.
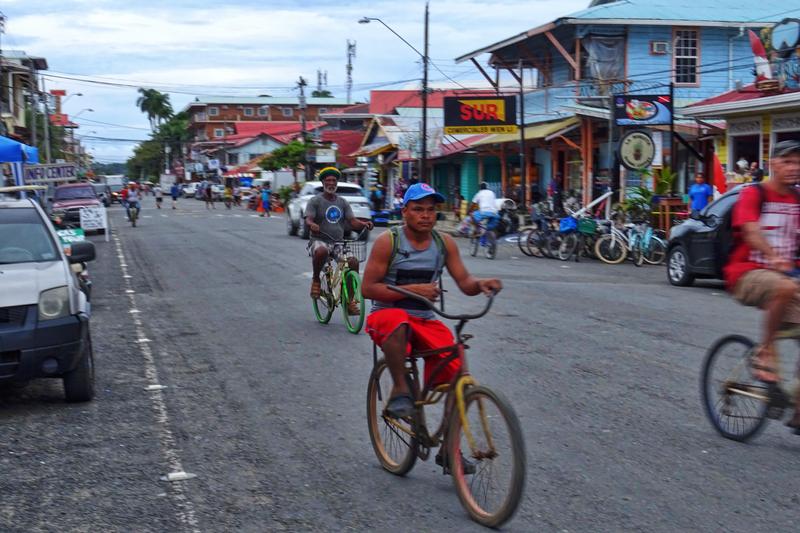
x,y
659,48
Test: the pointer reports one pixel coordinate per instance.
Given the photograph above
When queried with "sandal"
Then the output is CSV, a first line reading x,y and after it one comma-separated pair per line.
x,y
316,289
467,466
400,406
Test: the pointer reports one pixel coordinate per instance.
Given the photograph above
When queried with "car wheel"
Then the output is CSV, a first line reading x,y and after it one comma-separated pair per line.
x,y
291,227
79,383
678,267
303,228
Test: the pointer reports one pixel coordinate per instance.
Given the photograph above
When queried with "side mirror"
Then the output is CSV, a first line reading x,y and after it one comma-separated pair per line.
x,y
82,252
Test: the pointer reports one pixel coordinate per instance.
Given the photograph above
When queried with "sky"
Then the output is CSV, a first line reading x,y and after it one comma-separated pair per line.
x,y
245,48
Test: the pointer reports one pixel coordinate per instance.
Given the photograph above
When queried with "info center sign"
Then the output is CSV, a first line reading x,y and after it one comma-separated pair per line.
x,y
479,114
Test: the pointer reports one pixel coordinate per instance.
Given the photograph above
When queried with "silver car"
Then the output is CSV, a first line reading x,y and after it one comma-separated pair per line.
x,y
296,210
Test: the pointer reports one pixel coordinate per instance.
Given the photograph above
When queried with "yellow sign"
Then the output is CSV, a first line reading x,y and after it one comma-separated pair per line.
x,y
494,109
477,130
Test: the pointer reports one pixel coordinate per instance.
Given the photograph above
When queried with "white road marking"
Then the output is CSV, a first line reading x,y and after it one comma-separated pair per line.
x,y
169,446
130,291
307,275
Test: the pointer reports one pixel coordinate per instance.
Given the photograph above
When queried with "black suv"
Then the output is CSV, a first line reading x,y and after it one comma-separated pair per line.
x,y
696,245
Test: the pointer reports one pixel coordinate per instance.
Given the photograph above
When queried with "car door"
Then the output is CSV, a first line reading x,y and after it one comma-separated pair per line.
x,y
704,247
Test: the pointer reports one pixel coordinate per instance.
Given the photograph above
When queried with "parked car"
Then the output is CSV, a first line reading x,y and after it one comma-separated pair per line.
x,y
217,191
68,200
44,314
296,209
696,244
103,193
189,190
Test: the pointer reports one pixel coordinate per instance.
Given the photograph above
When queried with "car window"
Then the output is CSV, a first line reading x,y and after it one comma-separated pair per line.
x,y
74,193
24,238
721,206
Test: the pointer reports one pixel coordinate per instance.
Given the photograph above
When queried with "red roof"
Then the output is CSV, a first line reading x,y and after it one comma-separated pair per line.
x,y
348,142
275,128
356,109
748,92
385,102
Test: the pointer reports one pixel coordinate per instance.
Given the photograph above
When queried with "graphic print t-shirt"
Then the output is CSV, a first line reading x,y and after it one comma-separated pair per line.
x,y
779,218
330,215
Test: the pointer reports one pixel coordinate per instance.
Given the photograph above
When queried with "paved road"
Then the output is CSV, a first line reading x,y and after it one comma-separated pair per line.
x,y
266,407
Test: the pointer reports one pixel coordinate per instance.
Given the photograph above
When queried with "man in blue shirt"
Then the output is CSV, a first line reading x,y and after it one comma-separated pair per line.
x,y
700,194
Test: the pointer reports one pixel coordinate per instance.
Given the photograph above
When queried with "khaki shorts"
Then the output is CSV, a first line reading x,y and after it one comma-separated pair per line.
x,y
755,289
315,244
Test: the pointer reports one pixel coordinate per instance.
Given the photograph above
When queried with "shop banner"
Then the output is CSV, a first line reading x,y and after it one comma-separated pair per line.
x,y
642,110
480,115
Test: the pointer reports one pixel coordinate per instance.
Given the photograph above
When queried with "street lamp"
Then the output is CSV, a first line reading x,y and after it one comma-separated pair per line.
x,y
424,159
65,100
89,109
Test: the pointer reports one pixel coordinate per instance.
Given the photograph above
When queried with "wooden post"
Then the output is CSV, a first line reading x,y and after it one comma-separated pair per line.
x,y
503,169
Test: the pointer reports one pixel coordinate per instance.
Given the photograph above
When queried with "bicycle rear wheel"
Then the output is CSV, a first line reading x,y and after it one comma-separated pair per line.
x,y
134,216
657,251
491,245
474,244
731,397
492,494
534,243
325,304
353,322
522,241
391,438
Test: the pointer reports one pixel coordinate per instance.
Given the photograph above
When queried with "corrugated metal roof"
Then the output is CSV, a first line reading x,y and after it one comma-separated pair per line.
x,y
695,10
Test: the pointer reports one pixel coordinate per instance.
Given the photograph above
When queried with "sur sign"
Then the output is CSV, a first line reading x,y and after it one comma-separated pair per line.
x,y
476,115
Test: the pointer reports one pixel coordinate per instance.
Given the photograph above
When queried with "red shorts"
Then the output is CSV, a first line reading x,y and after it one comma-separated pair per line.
x,y
423,335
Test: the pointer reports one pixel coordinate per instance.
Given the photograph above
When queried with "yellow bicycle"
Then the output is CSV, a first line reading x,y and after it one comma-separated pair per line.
x,y
483,447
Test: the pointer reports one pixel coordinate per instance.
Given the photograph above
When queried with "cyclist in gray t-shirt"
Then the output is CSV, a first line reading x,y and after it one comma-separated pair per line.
x,y
326,214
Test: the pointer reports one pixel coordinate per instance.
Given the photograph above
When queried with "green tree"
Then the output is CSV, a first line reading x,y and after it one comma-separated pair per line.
x,y
321,94
155,105
290,156
148,157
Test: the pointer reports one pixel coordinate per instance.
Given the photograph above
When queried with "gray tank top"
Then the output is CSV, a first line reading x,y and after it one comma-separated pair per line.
x,y
412,266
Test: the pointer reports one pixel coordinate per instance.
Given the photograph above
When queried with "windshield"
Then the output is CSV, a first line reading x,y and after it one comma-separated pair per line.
x,y
115,188
24,238
74,193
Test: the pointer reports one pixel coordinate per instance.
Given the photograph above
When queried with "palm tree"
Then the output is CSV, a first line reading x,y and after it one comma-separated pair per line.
x,y
155,105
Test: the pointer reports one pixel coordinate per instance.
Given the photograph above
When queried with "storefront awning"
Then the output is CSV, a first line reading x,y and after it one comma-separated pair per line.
x,y
371,150
538,131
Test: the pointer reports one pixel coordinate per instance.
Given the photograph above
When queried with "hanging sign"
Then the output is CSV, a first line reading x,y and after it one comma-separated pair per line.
x,y
642,110
477,115
637,150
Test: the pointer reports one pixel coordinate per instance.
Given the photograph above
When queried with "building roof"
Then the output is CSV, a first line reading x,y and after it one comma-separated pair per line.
x,y
39,63
386,102
748,100
706,13
277,129
356,109
347,141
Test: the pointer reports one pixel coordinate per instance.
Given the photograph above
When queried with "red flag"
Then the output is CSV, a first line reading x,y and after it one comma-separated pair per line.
x,y
718,176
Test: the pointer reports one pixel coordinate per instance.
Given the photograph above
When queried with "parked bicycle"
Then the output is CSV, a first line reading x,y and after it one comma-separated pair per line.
x,y
339,284
737,404
632,240
478,425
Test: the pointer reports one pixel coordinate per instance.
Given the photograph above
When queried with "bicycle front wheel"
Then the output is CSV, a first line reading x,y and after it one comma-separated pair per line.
x,y
535,243
351,289
657,251
522,240
569,246
733,400
324,305
492,494
392,439
610,249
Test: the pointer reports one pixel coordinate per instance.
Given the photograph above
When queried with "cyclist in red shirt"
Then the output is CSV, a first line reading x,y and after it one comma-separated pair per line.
x,y
766,222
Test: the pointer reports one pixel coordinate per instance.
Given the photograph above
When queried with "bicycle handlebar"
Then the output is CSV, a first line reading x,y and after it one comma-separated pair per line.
x,y
360,234
430,305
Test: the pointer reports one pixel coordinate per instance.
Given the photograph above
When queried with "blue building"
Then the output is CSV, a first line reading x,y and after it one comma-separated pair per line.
x,y
567,68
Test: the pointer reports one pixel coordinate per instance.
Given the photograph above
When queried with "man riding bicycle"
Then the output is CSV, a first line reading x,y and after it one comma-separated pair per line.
x,y
326,214
760,270
486,201
132,199
414,257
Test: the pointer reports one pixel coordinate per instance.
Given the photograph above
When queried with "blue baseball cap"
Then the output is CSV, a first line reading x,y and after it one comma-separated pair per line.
x,y
418,191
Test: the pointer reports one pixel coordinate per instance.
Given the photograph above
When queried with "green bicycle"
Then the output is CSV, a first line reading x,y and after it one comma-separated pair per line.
x,y
340,285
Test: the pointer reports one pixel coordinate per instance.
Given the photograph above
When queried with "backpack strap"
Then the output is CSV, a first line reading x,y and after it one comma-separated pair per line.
x,y
394,236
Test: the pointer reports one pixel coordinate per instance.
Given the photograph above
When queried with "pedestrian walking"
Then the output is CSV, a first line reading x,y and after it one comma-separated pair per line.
x,y
174,191
266,192
159,194
209,196
700,194
237,196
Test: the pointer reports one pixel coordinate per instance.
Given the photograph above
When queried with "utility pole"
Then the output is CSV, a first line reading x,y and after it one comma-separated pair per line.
x,y
301,84
423,171
523,168
351,54
34,108
46,125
